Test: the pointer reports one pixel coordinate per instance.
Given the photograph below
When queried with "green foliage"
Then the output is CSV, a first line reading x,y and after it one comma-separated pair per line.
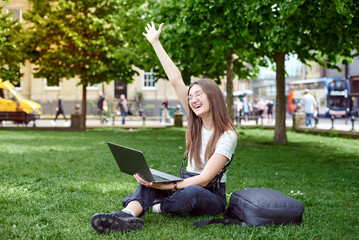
x,y
93,40
140,96
11,56
199,34
54,181
207,39
324,31
149,106
92,104
334,134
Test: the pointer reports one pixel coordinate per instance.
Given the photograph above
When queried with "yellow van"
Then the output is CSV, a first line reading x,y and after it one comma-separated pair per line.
x,y
13,107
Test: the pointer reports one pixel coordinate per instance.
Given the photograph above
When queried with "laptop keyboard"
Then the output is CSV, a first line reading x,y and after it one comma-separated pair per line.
x,y
158,178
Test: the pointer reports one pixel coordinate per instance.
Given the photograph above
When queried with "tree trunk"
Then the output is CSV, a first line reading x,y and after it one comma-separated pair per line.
x,y
280,134
229,85
84,107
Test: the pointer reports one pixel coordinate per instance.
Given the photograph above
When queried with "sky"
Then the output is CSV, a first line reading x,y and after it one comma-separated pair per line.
x,y
292,67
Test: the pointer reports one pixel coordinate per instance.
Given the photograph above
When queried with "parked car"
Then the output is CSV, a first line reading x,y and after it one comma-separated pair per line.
x,y
13,107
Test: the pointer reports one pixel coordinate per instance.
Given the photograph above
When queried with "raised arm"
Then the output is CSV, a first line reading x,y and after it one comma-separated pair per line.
x,y
172,72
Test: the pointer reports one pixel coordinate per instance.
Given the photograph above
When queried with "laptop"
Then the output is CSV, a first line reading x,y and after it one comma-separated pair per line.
x,y
132,161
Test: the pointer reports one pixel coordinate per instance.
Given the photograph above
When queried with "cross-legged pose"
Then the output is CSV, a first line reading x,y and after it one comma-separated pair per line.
x,y
210,143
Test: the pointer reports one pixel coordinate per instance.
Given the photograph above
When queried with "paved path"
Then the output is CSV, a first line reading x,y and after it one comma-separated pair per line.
x,y
323,123
135,122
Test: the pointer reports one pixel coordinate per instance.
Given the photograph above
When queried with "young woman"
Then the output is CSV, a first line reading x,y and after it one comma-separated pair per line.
x,y
210,142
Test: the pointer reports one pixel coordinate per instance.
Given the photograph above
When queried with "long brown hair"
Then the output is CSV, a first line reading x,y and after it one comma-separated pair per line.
x,y
220,119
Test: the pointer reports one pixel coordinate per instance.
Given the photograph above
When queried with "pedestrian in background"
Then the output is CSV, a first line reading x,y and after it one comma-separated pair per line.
x,y
122,104
247,108
309,106
238,106
165,111
101,106
261,106
59,109
269,109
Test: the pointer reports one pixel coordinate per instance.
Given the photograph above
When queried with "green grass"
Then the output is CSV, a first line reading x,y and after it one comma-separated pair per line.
x,y
52,182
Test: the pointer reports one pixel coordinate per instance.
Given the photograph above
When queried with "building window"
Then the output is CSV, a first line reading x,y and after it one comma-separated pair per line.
x,y
16,14
149,80
51,87
94,87
17,85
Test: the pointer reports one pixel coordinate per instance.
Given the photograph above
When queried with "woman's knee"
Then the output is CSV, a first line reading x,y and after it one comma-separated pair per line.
x,y
192,191
193,199
183,200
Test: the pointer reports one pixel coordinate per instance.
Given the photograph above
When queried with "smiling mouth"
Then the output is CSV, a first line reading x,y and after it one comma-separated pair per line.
x,y
197,106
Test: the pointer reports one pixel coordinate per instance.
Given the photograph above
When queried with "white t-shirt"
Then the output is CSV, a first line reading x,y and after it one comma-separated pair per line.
x,y
226,145
308,102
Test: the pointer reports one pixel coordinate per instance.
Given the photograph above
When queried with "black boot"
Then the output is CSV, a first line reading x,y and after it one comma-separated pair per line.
x,y
115,221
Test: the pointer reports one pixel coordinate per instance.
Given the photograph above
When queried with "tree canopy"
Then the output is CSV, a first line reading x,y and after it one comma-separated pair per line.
x,y
11,55
203,36
208,39
324,31
89,39
93,40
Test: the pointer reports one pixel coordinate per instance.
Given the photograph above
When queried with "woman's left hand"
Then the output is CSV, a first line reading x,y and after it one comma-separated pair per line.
x,y
161,186
152,34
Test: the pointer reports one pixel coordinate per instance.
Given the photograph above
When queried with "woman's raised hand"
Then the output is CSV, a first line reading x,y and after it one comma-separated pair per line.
x,y
152,34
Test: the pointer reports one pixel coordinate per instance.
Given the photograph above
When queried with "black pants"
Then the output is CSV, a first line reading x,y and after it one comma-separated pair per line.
x,y
60,111
192,199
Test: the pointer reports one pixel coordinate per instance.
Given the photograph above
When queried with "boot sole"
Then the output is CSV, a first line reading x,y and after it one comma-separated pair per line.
x,y
104,223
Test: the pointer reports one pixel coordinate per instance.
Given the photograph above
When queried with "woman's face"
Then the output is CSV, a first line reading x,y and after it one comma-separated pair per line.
x,y
198,101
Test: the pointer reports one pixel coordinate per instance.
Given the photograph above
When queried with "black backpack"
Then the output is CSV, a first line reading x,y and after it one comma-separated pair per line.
x,y
258,207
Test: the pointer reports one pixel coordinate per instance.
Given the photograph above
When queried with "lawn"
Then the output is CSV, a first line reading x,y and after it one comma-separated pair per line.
x,y
52,182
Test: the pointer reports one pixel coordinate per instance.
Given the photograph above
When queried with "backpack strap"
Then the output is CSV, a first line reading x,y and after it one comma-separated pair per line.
x,y
185,157
224,169
218,221
228,219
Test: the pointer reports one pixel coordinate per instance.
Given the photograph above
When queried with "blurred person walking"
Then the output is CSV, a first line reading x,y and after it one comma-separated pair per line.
x,y
309,106
101,107
122,104
238,107
165,111
59,109
247,108
269,109
261,106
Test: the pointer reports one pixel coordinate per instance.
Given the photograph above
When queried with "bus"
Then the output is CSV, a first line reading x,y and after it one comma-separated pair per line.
x,y
331,94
